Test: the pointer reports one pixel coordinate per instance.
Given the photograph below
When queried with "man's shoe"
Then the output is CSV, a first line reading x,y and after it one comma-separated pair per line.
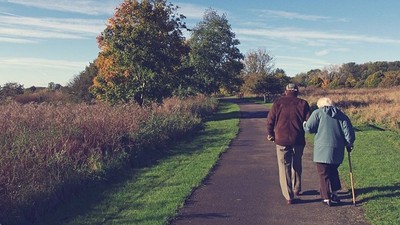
x,y
297,193
335,199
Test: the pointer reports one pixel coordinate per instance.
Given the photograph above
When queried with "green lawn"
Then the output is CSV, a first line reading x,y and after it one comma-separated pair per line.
x,y
152,195
376,160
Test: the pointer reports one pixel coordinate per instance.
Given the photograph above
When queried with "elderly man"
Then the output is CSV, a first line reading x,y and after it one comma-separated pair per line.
x,y
285,128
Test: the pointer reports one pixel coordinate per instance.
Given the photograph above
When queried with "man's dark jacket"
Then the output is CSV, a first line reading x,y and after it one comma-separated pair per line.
x,y
285,120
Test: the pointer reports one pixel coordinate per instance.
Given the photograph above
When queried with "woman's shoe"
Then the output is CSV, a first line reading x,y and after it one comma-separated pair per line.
x,y
327,202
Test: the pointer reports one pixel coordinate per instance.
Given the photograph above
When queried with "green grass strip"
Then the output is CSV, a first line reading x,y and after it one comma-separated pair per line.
x,y
152,195
376,162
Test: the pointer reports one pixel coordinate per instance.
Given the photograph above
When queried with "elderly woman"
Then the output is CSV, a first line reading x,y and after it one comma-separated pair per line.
x,y
333,132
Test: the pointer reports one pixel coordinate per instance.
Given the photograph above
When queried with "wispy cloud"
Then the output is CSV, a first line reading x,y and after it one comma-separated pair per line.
x,y
195,11
16,29
294,34
16,40
89,7
292,15
328,51
41,63
191,11
295,64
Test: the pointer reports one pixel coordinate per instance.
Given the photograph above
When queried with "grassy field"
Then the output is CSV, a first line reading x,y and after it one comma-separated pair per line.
x,y
152,195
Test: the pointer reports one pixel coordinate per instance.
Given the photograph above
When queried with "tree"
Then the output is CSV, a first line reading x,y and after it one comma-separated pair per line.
x,y
260,78
390,79
32,89
314,78
269,86
142,49
11,89
258,62
80,84
214,54
300,79
373,80
53,86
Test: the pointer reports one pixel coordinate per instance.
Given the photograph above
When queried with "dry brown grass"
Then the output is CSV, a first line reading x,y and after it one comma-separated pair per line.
x,y
378,106
47,148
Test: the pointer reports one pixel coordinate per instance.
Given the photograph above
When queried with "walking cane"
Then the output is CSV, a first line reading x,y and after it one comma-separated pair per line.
x,y
351,180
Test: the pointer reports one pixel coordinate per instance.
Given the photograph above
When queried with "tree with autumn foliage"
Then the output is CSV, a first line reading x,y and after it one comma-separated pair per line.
x,y
141,52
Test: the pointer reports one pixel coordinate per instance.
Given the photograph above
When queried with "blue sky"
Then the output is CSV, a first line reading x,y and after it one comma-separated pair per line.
x,y
44,41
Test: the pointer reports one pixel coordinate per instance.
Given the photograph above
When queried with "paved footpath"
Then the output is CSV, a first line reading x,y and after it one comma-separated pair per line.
x,y
243,188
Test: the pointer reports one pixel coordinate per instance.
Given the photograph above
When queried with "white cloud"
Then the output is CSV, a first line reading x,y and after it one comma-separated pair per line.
x,y
66,24
294,34
328,51
292,15
322,53
16,40
296,16
89,7
303,60
40,63
35,34
191,11
16,29
196,12
292,65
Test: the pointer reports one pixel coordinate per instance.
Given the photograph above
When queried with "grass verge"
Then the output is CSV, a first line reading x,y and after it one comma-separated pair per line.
x,y
375,161
152,195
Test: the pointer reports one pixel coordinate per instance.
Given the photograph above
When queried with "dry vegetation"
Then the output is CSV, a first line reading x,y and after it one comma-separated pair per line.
x,y
377,106
49,150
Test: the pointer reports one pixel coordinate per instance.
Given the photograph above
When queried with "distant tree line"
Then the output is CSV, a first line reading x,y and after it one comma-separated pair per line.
x,y
352,75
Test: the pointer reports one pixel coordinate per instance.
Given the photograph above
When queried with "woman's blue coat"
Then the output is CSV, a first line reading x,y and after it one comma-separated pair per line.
x,y
333,131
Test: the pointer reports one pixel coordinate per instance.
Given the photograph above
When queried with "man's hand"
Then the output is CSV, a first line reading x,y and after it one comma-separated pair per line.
x,y
270,138
349,148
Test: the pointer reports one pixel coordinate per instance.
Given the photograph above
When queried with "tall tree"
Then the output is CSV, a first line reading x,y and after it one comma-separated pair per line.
x,y
141,52
214,54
